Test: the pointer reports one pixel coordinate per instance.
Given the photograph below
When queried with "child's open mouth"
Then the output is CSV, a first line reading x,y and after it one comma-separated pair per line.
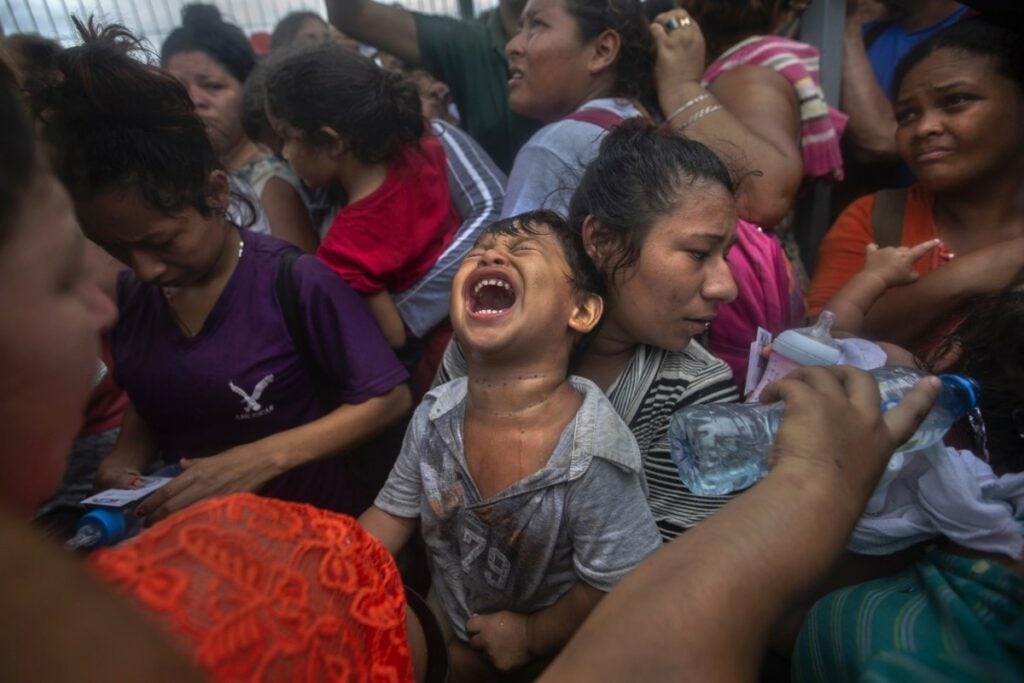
x,y
491,296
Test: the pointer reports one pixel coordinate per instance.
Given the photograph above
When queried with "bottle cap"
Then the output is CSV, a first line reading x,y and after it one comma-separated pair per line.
x,y
964,388
109,521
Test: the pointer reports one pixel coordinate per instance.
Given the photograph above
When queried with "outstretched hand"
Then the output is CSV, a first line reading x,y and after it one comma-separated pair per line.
x,y
895,265
834,432
242,469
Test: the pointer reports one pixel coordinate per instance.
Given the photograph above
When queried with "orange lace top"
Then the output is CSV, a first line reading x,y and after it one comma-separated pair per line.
x,y
267,590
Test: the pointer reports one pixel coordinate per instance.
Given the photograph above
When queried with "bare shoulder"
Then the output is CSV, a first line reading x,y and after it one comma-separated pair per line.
x,y
746,79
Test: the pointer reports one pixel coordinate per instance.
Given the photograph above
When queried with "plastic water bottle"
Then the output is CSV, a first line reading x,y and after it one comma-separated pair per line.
x,y
724,447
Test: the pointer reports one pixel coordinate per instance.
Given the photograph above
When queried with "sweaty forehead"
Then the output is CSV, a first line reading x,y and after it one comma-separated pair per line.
x,y
948,65
516,233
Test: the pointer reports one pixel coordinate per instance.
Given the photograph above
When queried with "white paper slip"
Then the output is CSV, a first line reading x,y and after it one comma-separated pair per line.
x,y
756,362
120,497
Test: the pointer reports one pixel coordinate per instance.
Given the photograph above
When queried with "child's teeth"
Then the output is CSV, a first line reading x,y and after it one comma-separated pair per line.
x,y
492,283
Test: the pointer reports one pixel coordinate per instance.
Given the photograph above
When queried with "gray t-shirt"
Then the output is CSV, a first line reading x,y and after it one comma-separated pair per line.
x,y
549,167
582,517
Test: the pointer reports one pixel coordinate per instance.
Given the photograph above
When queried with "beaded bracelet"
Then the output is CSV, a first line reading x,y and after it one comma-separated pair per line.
x,y
700,114
689,103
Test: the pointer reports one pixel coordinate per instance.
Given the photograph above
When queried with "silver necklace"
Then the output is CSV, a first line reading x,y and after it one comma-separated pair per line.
x,y
168,293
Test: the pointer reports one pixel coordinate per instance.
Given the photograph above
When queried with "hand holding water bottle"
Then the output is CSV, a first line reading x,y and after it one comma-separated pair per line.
x,y
834,434
723,447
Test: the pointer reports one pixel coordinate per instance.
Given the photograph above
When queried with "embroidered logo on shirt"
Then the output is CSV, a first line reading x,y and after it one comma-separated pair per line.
x,y
251,402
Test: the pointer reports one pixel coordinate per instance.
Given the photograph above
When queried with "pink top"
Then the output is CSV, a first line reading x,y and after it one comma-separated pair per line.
x,y
821,126
767,296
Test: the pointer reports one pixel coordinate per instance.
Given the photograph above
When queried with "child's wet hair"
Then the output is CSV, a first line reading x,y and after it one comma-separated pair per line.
x,y
989,347
114,121
375,111
583,275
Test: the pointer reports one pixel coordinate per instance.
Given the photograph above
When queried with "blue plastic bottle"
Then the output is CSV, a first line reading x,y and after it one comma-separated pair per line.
x,y
723,447
104,526
110,524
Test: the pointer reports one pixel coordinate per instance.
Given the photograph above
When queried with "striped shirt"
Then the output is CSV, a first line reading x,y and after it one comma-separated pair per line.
x,y
654,385
477,188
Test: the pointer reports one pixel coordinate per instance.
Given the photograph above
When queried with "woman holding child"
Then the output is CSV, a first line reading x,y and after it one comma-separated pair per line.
x,y
656,215
345,122
509,472
60,623
960,127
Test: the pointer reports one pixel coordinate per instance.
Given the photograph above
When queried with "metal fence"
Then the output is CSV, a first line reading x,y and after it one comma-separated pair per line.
x,y
154,19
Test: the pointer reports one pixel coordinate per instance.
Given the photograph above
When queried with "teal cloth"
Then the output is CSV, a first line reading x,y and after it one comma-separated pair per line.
x,y
947,618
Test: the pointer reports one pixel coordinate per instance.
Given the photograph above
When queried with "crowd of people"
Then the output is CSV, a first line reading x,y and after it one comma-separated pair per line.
x,y
404,305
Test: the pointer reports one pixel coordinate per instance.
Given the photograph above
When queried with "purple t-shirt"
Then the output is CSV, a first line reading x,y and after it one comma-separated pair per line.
x,y
241,377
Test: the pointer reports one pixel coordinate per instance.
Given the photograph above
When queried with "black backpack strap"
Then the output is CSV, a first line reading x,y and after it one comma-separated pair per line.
x,y
288,300
888,215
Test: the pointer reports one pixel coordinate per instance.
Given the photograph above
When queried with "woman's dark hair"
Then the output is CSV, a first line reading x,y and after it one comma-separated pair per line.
x,y
724,22
989,347
17,157
978,36
635,66
374,110
203,30
638,177
286,29
114,121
